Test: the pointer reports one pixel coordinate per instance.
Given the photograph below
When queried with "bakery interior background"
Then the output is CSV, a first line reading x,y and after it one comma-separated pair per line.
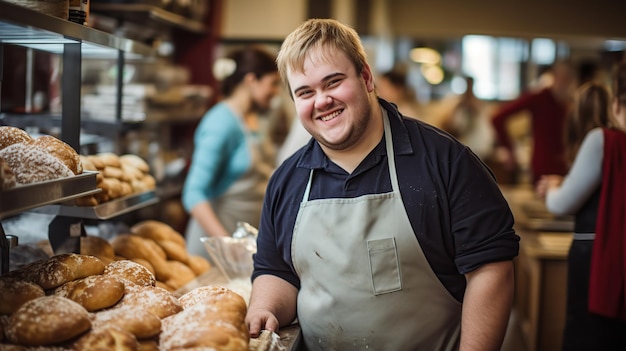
x,y
504,46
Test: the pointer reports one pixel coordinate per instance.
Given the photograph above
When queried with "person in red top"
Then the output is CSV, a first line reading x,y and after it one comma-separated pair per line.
x,y
548,108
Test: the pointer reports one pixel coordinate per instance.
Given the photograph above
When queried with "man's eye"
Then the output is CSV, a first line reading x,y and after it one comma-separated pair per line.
x,y
305,93
334,82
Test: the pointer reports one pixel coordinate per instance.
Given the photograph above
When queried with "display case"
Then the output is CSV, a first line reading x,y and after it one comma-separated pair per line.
x,y
38,31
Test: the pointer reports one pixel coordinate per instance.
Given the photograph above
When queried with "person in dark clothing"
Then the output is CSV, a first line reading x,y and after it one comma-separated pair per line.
x,y
548,108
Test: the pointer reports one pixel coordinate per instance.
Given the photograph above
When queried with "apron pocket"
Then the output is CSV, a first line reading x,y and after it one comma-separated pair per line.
x,y
384,265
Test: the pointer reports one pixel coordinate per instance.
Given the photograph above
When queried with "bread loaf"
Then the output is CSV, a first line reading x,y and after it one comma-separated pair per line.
x,y
130,271
60,150
47,320
14,293
12,135
158,301
94,293
31,164
213,317
67,267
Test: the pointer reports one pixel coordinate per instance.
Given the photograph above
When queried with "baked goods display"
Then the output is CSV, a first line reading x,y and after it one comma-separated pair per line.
x,y
117,307
161,249
27,160
118,176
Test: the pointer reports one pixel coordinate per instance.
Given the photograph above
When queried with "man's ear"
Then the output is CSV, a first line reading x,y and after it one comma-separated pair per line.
x,y
368,78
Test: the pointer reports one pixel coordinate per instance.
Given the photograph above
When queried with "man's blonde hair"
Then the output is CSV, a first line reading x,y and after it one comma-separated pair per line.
x,y
327,34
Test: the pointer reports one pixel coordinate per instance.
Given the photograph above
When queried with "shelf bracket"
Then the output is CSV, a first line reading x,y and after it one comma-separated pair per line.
x,y
64,234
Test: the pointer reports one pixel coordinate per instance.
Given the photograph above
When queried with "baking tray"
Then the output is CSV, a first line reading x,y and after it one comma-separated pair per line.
x,y
105,210
25,197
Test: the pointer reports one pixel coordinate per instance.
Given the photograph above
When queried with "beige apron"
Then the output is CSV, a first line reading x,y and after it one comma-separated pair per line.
x,y
365,282
242,201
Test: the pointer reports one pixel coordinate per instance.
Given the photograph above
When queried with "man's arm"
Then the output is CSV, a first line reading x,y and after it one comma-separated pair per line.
x,y
272,304
487,306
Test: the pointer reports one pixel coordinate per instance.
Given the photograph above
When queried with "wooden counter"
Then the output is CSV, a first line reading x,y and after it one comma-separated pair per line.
x,y
540,269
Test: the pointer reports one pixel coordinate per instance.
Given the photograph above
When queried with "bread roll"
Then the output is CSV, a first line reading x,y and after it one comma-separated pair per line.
x,y
130,173
67,267
60,150
47,320
181,274
157,231
158,301
198,264
110,339
136,162
12,135
94,293
145,264
87,164
14,293
110,159
130,271
31,164
112,172
97,162
98,247
174,251
132,246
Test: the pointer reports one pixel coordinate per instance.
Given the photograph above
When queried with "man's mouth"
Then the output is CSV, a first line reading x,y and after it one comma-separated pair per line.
x,y
331,116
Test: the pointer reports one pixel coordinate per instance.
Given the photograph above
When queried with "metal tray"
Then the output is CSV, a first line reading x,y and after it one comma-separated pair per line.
x,y
25,197
106,210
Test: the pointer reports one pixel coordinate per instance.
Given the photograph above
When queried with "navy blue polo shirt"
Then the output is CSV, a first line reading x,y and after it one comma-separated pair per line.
x,y
453,202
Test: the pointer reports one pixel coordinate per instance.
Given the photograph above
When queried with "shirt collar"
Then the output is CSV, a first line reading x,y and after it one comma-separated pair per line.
x,y
314,158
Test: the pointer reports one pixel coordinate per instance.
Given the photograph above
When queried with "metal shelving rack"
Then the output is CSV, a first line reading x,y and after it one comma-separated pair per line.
x,y
25,27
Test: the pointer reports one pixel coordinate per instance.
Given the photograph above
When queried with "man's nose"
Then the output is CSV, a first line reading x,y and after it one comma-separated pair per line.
x,y
323,100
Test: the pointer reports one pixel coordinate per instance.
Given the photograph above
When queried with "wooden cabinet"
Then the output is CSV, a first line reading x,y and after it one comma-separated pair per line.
x,y
540,270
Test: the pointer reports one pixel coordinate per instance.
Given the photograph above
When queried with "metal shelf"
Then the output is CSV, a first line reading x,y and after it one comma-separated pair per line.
x,y
106,210
25,27
29,196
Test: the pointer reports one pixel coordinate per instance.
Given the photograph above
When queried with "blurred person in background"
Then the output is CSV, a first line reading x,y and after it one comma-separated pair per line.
x,y
227,176
548,108
596,149
469,122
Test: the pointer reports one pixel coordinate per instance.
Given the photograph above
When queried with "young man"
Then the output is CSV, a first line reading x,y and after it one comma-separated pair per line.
x,y
382,232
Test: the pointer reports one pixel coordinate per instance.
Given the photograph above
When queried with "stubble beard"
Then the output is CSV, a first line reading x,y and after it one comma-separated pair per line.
x,y
356,132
